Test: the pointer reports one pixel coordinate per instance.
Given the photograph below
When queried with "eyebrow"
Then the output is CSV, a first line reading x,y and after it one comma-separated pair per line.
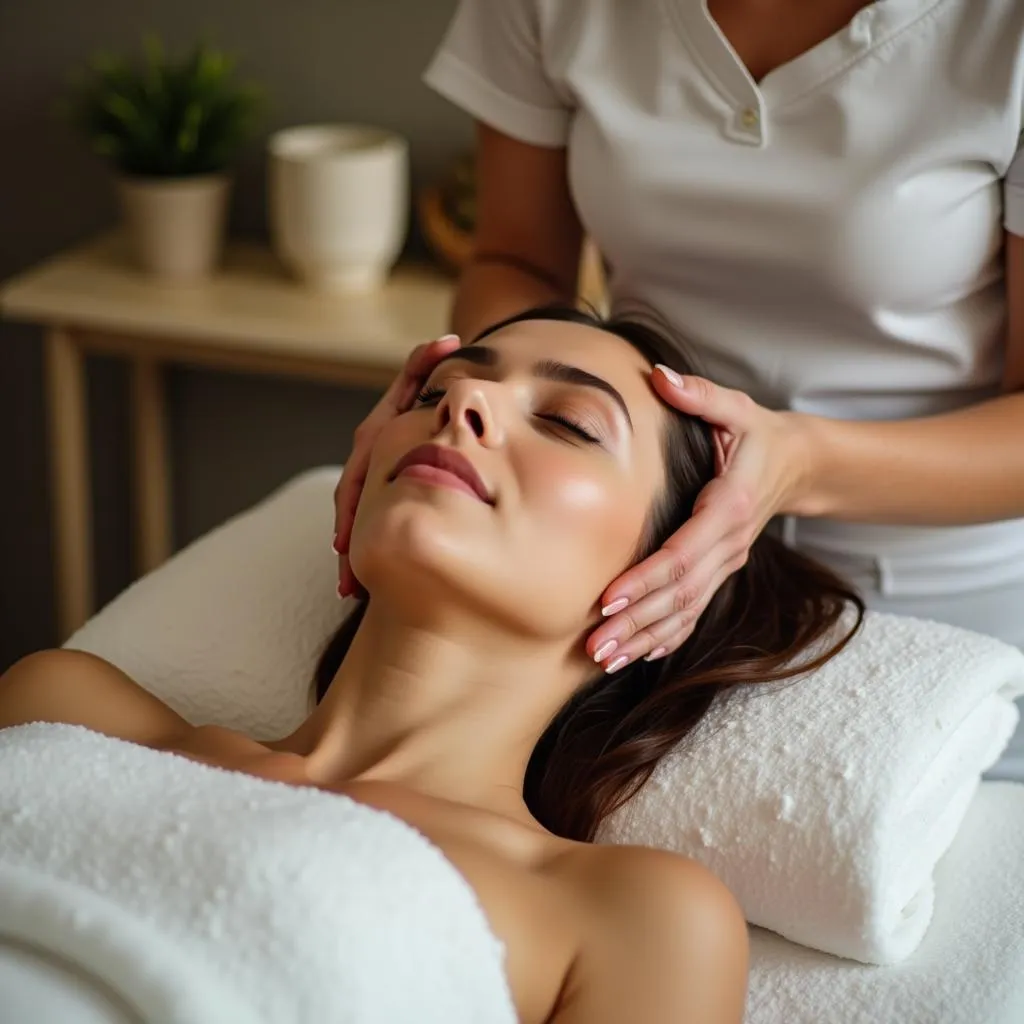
x,y
548,369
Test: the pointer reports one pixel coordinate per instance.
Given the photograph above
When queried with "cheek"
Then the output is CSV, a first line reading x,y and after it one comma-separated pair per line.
x,y
595,513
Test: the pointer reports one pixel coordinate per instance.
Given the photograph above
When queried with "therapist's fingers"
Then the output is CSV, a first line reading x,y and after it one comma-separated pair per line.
x,y
406,386
661,621
659,634
698,396
397,399
346,499
678,580
653,624
720,511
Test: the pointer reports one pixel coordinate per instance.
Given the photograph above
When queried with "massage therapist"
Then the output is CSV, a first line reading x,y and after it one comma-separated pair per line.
x,y
825,200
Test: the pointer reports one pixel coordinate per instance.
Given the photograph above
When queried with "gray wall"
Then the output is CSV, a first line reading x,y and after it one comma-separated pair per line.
x,y
234,438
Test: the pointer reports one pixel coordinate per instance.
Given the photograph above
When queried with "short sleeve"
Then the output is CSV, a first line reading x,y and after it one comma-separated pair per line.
x,y
1013,194
490,64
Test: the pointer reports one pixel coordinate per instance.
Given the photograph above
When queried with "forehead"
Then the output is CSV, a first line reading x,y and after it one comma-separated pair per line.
x,y
521,345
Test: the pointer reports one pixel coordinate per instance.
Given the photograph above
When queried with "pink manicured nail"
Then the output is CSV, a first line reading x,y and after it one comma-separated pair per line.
x,y
449,337
658,652
334,545
605,650
670,375
615,606
618,663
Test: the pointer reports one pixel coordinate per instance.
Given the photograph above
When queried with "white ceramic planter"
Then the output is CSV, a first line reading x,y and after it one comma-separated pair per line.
x,y
176,225
338,199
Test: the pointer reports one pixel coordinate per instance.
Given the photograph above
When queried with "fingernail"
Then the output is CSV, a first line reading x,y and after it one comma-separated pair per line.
x,y
449,337
670,374
341,593
618,663
334,545
605,650
658,652
615,606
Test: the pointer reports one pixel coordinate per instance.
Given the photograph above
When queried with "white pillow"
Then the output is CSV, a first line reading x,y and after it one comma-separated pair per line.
x,y
229,630
824,804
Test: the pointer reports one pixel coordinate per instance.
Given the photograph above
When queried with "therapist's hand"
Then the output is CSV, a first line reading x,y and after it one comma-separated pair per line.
x,y
398,398
760,466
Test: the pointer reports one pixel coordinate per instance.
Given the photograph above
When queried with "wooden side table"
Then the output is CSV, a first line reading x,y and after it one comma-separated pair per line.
x,y
251,318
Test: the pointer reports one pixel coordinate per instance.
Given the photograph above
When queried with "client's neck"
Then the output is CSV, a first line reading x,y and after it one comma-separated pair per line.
x,y
447,704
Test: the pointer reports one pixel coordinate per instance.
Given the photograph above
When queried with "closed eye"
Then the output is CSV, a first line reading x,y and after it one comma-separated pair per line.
x,y
570,425
430,395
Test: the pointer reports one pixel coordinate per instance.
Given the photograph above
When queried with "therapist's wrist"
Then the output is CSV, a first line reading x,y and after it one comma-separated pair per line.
x,y
814,449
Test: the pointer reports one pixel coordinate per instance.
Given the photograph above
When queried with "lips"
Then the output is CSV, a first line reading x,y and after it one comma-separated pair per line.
x,y
446,461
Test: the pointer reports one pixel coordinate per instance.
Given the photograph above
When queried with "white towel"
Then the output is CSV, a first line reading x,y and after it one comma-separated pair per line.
x,y
825,803
203,895
968,970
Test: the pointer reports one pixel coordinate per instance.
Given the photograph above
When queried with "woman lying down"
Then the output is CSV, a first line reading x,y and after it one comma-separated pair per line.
x,y
535,466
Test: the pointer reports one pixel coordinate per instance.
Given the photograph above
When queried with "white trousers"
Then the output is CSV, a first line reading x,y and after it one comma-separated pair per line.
x,y
968,576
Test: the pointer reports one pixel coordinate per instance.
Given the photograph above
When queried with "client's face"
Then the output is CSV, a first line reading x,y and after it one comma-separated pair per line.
x,y
521,480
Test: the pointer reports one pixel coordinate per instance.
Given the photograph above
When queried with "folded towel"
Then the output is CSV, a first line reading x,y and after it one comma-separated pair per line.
x,y
198,894
825,803
968,970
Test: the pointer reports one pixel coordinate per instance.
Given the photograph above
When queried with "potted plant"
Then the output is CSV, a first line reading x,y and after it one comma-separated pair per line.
x,y
171,129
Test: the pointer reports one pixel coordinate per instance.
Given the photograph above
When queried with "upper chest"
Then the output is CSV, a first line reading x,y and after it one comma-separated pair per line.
x,y
522,880
767,34
868,160
514,872
842,77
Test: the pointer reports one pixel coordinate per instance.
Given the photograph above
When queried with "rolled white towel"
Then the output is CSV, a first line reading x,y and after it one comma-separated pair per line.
x,y
198,894
969,969
824,803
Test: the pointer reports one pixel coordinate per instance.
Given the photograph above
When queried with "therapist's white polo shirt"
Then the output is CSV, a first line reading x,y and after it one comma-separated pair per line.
x,y
829,239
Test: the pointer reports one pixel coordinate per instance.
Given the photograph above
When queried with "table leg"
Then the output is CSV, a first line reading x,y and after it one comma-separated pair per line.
x,y
152,475
71,497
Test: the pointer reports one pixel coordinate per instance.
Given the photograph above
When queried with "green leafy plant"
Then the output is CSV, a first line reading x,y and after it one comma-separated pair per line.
x,y
165,117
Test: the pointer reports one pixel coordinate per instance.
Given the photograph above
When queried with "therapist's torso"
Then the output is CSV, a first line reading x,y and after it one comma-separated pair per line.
x,y
828,239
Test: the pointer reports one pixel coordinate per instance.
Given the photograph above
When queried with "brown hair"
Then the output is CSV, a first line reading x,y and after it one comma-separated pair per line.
x,y
765,624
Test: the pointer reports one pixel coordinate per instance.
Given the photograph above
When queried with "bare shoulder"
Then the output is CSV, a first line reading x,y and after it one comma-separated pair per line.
x,y
82,689
666,941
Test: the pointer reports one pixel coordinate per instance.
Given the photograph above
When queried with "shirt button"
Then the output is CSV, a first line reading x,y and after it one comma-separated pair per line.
x,y
749,118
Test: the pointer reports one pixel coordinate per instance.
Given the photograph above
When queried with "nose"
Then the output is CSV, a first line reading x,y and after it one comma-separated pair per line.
x,y
468,409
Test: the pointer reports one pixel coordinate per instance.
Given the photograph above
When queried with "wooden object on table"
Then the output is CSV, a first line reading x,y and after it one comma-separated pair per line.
x,y
593,285
454,247
251,317
449,242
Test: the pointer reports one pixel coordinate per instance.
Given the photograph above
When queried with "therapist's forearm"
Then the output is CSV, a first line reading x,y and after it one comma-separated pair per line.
x,y
490,291
956,468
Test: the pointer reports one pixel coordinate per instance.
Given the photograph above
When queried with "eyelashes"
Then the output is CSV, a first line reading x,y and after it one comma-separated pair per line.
x,y
570,425
432,394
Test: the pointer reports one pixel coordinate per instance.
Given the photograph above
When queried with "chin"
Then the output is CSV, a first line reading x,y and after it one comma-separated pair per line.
x,y
414,549
416,559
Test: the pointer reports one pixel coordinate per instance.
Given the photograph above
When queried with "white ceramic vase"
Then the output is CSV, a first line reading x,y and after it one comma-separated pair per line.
x,y
338,199
176,225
